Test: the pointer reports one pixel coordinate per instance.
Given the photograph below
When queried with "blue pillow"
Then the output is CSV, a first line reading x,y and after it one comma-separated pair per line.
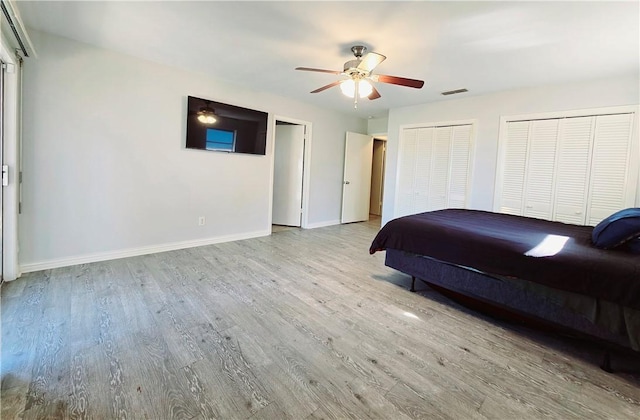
x,y
617,229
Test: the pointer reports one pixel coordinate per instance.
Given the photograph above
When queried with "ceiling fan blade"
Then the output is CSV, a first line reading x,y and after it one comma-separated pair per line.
x,y
370,61
330,85
402,81
374,94
318,70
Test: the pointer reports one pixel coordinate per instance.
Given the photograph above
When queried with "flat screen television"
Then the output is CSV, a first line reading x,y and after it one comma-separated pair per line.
x,y
225,128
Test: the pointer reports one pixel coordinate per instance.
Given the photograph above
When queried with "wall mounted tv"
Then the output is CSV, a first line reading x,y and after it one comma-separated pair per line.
x,y
225,128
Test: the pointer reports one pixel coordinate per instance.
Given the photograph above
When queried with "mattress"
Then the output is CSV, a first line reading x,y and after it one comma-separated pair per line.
x,y
553,254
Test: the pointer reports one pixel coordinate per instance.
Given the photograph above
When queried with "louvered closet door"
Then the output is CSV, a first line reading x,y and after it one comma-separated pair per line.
x,y
407,171
424,150
515,164
574,161
439,179
433,168
610,167
543,139
577,169
459,166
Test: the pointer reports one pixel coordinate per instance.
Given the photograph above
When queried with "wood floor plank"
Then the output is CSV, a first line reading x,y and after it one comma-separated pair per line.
x,y
79,395
202,398
376,403
108,381
19,342
235,371
13,288
415,404
272,411
90,393
302,324
14,402
158,380
42,396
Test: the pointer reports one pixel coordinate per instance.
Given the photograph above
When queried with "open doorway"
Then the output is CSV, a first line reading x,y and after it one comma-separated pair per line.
x,y
377,175
291,152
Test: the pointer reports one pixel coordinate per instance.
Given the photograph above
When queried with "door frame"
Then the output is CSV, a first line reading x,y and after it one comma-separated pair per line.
x,y
306,170
11,157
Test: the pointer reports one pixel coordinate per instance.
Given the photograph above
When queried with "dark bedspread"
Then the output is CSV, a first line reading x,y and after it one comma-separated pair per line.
x,y
497,243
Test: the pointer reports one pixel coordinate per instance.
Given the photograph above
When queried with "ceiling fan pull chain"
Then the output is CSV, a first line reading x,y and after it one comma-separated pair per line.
x,y
357,92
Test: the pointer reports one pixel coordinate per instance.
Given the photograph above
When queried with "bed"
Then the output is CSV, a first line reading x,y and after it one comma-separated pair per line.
x,y
545,271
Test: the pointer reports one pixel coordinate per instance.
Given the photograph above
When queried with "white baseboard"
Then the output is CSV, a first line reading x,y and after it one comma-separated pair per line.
x,y
134,252
322,224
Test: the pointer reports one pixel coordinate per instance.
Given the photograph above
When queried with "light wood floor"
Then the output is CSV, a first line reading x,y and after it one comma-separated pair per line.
x,y
281,228
304,324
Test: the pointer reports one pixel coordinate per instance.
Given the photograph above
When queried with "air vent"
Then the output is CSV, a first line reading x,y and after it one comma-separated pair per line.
x,y
453,92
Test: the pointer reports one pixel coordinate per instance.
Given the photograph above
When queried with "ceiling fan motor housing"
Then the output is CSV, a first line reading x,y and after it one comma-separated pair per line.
x,y
351,69
358,50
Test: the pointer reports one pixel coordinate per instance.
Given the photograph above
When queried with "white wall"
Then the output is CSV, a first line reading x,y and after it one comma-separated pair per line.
x,y
105,168
377,125
487,109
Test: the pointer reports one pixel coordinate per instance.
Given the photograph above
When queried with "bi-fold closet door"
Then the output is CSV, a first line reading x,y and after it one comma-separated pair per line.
x,y
576,169
433,168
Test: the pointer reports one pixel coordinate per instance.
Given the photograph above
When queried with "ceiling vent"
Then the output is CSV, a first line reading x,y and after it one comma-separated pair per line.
x,y
453,92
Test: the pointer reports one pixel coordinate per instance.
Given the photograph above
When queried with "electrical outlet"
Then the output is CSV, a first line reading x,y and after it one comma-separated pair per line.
x,y
201,221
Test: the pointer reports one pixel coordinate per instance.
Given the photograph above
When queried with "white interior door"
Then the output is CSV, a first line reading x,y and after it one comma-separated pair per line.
x,y
356,186
287,176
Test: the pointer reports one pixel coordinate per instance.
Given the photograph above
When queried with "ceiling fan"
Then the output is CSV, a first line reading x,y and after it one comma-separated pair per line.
x,y
359,76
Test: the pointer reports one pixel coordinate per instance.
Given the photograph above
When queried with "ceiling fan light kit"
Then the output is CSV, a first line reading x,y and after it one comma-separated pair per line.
x,y
359,82
349,88
207,115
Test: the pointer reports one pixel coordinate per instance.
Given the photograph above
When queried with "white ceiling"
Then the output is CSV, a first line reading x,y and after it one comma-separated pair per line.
x,y
481,46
